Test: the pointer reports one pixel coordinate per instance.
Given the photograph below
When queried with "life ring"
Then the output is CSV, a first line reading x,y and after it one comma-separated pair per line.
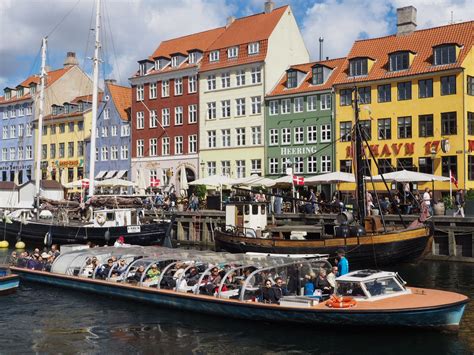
x,y
341,302
100,218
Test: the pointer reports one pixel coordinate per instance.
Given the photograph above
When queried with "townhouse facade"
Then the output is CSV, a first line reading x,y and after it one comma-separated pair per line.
x,y
299,120
415,91
237,70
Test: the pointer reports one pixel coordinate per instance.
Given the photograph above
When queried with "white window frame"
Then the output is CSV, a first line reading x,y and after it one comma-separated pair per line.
x,y
298,104
211,168
254,48
153,90
312,164
211,139
285,136
165,117
140,120
325,163
153,119
240,106
114,152
298,135
274,136
285,106
214,56
192,113
178,86
274,107
325,133
256,105
124,152
211,110
312,102
226,137
140,92
165,146
225,109
311,134
240,77
178,115
125,130
192,84
240,136
178,145
225,80
140,147
240,168
325,102
256,135
233,52
192,143
211,82
153,147
256,75
104,153
165,88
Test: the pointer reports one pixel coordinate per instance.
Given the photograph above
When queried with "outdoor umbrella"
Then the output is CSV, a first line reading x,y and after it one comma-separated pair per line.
x,y
114,182
183,181
330,178
409,176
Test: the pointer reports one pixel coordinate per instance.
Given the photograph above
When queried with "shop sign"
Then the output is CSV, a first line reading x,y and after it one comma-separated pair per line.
x,y
386,149
285,151
68,163
14,167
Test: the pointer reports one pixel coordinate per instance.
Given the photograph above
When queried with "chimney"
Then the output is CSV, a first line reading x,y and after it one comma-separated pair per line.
x,y
269,6
110,81
70,60
230,20
321,40
406,20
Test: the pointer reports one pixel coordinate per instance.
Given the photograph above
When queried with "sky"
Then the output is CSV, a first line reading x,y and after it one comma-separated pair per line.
x,y
133,29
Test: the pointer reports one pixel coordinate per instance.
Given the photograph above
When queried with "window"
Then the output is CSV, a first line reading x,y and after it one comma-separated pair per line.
x,y
114,152
29,130
366,129
240,77
192,84
325,163
285,106
211,82
298,165
273,107
445,54
449,163
21,130
12,131
425,126
211,139
225,137
153,150
178,145
80,148
21,112
346,97
240,107
325,102
4,154
240,168
318,75
346,131
211,110
153,90
225,165
256,75
470,85
192,143
298,102
358,67
140,120
273,164
140,92
70,149
425,165
44,131
211,168
325,133
225,80
142,69
165,146
311,104
140,147
448,123
399,61
256,105
44,152
61,150
178,86
425,88
286,136
153,119
192,113
312,164
256,166
240,136
470,123
274,136
256,135
404,91
405,164
385,166
404,127
174,61
254,48
366,167
299,135
29,152
29,110
105,131
345,166
225,108
80,126
384,128
364,95
124,152
165,88
292,80
165,117
12,153
214,56
178,115
125,130
192,57
233,52
104,153
448,85
20,153
312,134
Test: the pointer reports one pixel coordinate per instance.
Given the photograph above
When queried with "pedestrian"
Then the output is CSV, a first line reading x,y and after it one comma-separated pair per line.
x,y
459,203
369,202
427,200
312,199
342,262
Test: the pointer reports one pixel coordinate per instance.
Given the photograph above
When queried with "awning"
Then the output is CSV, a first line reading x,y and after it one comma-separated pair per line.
x,y
101,174
110,174
120,174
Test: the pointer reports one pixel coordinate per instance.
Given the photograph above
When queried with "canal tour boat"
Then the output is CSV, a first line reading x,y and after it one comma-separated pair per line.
x,y
8,282
235,285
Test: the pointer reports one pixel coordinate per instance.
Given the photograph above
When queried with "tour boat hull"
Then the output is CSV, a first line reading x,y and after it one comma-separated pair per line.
x,y
9,284
364,251
145,234
445,316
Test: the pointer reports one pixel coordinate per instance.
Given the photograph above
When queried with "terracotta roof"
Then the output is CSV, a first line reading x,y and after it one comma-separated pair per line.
x,y
87,98
420,42
245,30
306,86
64,115
122,97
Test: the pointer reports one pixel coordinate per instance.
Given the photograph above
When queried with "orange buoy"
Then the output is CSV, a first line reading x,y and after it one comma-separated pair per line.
x,y
341,302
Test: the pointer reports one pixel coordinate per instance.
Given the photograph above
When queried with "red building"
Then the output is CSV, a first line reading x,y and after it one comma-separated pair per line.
x,y
165,110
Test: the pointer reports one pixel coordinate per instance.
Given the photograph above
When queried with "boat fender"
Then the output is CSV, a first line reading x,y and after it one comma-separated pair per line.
x,y
107,235
100,218
3,244
20,245
340,302
48,239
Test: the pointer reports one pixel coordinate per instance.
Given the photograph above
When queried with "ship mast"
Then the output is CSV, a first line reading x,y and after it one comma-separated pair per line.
x,y
95,90
358,169
40,122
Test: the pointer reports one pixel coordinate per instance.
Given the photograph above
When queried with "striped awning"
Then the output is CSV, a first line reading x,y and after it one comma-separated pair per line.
x,y
120,174
101,174
110,174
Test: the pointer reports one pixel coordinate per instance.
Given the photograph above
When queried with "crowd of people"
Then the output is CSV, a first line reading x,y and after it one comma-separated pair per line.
x,y
35,260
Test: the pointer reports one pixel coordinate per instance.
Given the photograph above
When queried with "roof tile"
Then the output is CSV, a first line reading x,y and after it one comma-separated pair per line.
x,y
122,97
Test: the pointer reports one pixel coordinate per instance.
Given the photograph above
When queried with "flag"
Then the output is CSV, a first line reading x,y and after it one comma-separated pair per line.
x,y
453,178
85,184
298,180
154,182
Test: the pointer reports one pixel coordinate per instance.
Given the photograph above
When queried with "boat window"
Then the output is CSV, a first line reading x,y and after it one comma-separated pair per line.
x,y
240,210
381,287
254,209
247,210
263,209
232,281
110,216
173,273
352,289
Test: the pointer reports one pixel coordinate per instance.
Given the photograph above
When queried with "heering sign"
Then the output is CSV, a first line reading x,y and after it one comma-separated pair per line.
x,y
297,150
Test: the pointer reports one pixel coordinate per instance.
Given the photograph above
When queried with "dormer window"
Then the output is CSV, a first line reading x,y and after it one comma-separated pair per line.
x,y
19,92
157,64
254,48
55,110
292,81
174,61
358,67
399,61
214,56
33,89
192,58
8,94
233,52
66,108
318,75
142,69
445,54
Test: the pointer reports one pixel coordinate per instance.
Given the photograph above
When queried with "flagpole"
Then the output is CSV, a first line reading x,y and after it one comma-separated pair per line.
x,y
450,185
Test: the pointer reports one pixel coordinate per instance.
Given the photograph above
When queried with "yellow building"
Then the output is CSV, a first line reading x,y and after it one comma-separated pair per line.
x,y
64,133
416,101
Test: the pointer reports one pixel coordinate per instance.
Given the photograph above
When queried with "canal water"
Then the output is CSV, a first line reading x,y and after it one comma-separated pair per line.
x,y
43,319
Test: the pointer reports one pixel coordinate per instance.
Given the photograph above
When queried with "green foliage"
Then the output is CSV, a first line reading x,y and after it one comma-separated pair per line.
x,y
469,196
200,191
448,202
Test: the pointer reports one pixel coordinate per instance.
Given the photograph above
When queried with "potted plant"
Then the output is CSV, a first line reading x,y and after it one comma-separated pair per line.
x,y
469,203
448,205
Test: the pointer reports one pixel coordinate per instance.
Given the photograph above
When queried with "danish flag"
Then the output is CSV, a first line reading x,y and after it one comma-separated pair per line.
x,y
453,178
154,182
298,180
85,184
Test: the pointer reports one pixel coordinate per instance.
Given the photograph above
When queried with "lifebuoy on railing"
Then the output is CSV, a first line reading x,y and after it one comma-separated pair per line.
x,y
341,302
100,218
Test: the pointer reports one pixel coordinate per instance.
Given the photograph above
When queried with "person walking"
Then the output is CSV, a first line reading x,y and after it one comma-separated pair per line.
x,y
459,203
427,200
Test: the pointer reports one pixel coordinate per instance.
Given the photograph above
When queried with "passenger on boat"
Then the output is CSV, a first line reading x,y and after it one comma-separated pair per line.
x,y
309,285
104,270
179,271
279,290
120,242
342,262
138,274
23,259
153,273
322,283
48,263
55,250
267,294
13,260
212,282
193,277
35,263
121,268
88,268
332,277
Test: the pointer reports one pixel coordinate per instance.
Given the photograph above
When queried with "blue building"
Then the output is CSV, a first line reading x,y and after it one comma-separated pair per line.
x,y
113,134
